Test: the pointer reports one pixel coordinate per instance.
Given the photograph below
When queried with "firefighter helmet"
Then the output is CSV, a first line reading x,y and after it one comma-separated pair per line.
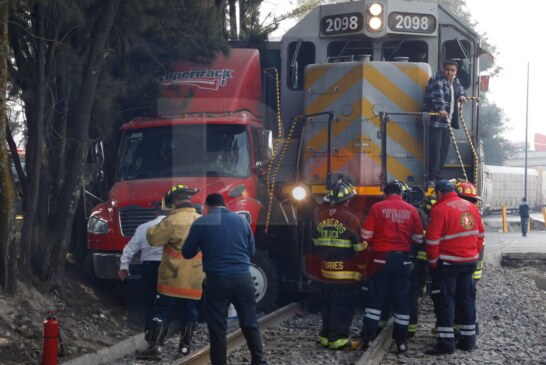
x,y
340,192
404,188
177,190
467,191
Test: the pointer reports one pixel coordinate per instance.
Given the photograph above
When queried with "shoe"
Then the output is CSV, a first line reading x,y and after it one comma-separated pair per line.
x,y
344,344
465,346
150,353
402,347
186,334
439,351
364,343
323,341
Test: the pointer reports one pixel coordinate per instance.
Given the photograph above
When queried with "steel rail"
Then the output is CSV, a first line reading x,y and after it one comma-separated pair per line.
x,y
236,338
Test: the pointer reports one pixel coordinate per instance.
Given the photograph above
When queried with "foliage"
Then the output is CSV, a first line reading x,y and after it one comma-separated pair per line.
x,y
82,68
497,148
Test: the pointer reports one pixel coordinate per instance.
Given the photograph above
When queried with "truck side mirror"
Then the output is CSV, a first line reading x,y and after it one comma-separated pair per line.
x,y
267,138
98,153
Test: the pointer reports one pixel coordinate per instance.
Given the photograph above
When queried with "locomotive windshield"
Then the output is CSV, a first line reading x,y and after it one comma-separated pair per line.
x,y
184,150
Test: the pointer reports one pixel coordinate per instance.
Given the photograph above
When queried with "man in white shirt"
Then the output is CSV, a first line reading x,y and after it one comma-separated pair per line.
x,y
150,257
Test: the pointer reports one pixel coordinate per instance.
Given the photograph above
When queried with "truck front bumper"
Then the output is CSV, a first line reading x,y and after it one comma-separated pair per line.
x,y
106,265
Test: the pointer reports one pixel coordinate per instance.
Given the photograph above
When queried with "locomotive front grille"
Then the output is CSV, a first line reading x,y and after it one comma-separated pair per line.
x,y
131,217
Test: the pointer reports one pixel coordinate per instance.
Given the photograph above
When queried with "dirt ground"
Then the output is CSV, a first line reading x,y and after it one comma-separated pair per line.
x,y
89,319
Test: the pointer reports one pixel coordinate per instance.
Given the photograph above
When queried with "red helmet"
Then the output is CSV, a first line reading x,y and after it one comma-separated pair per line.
x,y
467,191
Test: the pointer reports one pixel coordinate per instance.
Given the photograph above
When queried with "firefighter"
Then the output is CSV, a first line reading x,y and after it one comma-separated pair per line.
x,y
454,239
337,244
179,280
391,228
467,191
419,274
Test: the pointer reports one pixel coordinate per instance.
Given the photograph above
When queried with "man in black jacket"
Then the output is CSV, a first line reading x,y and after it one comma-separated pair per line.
x,y
524,215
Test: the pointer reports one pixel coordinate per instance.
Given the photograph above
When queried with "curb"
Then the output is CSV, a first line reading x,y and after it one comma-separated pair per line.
x,y
109,354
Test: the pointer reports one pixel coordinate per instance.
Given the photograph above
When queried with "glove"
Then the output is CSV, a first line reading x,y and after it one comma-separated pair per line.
x,y
477,274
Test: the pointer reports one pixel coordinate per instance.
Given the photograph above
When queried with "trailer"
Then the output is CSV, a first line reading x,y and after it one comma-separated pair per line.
x,y
504,187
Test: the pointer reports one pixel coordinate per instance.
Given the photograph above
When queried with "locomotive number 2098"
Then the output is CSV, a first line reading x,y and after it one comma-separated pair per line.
x,y
414,23
341,23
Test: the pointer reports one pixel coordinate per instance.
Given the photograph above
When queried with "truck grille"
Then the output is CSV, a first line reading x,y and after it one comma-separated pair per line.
x,y
131,217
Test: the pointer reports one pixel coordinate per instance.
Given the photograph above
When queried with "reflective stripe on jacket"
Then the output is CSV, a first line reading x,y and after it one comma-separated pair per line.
x,y
455,231
337,251
177,277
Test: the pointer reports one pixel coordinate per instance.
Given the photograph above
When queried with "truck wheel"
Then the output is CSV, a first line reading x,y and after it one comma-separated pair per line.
x,y
266,281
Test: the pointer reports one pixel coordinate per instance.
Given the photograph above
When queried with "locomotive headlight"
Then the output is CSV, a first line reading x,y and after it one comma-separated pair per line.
x,y
375,16
375,23
299,193
375,9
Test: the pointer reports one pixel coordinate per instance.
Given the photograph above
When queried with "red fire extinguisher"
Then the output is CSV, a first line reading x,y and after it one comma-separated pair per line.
x,y
51,340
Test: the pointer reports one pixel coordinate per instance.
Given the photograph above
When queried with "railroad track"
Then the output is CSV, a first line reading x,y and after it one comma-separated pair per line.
x,y
289,337
236,339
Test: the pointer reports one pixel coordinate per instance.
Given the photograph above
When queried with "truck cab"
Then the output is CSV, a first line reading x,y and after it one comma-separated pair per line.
x,y
208,135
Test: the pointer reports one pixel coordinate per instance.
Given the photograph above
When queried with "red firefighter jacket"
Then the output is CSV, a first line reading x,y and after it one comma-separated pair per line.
x,y
337,253
392,225
455,231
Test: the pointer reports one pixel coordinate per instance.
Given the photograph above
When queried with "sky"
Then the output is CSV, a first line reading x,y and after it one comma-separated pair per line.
x,y
515,51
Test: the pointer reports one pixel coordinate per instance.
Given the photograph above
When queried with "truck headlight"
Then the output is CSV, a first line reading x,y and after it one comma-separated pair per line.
x,y
97,225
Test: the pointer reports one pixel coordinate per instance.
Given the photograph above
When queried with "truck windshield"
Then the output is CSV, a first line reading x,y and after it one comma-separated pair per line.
x,y
184,150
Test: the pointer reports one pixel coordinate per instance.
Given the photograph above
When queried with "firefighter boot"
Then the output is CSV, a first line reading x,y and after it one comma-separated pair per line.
x,y
186,334
158,330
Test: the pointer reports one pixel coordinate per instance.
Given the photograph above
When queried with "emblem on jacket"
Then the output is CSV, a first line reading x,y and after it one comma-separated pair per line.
x,y
467,221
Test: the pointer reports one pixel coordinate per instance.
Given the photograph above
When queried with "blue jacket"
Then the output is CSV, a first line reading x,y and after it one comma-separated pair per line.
x,y
224,238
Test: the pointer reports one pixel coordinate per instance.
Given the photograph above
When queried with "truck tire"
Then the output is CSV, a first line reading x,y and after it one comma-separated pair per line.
x,y
266,281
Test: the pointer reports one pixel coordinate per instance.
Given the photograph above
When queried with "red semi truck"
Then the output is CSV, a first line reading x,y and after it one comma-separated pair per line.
x,y
208,135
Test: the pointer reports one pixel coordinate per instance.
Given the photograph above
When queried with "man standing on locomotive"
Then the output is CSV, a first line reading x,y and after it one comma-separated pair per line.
x,y
454,240
441,96
390,228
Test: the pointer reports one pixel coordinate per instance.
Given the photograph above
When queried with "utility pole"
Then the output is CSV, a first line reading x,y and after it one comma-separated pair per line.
x,y
526,127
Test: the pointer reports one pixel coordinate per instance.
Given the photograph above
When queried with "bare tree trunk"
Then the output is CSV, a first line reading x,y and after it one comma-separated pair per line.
x,y
35,143
16,160
243,26
78,140
8,277
232,20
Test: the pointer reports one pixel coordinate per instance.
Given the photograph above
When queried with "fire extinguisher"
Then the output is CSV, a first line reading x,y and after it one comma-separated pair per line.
x,y
52,339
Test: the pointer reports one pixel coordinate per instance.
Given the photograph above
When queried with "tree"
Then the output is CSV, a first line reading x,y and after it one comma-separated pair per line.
x,y
497,148
82,69
8,272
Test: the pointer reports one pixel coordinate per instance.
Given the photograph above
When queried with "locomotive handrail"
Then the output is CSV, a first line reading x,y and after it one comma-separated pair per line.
x,y
474,153
384,119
